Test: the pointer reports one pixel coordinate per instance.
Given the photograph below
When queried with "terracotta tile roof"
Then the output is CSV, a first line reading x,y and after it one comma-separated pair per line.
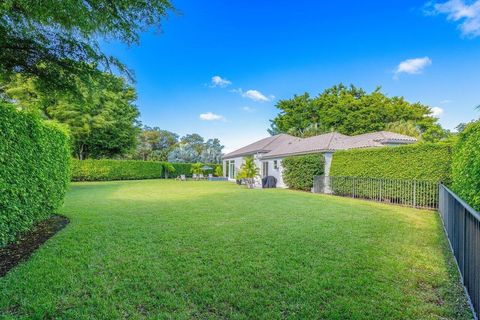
x,y
285,145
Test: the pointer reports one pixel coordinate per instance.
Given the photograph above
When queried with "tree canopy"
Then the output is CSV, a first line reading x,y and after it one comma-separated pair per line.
x,y
351,110
101,116
56,40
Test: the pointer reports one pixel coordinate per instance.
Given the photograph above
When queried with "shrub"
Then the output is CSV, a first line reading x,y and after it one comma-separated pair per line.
x,y
419,161
196,168
168,169
34,170
218,170
181,168
104,170
298,171
466,165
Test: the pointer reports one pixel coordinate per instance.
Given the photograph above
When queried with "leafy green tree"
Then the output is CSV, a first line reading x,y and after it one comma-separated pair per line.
x,y
248,171
351,110
101,115
408,128
219,171
168,168
155,144
183,153
212,151
197,168
194,140
57,41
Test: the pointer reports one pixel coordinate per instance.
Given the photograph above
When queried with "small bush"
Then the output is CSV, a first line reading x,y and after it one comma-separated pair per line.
x,y
466,165
298,171
105,170
414,162
34,170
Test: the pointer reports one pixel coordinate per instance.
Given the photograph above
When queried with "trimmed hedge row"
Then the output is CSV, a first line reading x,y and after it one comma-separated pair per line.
x,y
105,170
298,171
466,165
419,161
34,170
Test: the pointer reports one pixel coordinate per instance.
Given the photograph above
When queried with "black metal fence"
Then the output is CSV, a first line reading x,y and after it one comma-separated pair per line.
x,y
462,226
414,193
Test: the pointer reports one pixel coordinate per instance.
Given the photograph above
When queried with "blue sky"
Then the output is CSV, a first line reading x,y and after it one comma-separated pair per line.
x,y
270,50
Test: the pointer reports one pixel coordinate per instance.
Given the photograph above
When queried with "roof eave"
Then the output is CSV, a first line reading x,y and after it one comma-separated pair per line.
x,y
283,155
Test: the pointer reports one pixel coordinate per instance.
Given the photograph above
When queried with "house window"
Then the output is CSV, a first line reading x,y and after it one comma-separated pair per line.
x,y
275,164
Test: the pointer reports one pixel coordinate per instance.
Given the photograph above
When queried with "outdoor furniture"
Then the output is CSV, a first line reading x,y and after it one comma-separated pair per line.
x,y
269,182
201,177
183,178
195,177
210,176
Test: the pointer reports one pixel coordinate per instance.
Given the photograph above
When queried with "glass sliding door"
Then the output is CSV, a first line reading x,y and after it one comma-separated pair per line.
x,y
231,170
265,168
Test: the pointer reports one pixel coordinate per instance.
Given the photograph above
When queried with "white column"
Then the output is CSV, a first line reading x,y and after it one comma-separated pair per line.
x,y
328,164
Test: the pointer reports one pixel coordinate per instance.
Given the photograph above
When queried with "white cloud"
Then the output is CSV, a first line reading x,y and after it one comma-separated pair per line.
x,y
210,116
413,66
467,15
254,95
248,109
218,81
446,101
437,112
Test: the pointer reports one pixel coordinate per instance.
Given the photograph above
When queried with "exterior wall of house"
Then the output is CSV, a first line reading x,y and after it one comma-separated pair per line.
x,y
328,162
238,162
275,172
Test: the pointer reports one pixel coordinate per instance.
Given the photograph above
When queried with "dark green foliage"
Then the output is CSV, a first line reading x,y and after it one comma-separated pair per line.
x,y
423,161
351,111
105,170
101,119
466,165
186,169
57,40
34,170
298,171
181,168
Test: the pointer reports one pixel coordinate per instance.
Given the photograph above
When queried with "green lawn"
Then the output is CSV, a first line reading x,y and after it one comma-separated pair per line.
x,y
206,250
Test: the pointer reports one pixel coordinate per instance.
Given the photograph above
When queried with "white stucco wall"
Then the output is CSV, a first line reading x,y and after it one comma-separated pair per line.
x,y
238,163
277,173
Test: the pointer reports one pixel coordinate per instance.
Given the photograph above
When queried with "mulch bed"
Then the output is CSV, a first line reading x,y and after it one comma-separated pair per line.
x,y
30,241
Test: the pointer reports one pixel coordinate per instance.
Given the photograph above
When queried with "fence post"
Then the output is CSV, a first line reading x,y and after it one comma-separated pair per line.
x,y
414,193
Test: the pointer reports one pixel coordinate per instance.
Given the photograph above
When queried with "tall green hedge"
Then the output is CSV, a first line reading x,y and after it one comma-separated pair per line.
x,y
298,171
34,170
181,168
466,165
105,170
186,169
419,161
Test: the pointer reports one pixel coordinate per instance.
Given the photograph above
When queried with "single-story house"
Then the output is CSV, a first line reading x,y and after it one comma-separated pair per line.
x,y
269,152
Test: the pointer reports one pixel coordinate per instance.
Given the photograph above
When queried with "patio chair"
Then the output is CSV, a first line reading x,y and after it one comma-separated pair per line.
x,y
210,176
195,177
201,177
183,178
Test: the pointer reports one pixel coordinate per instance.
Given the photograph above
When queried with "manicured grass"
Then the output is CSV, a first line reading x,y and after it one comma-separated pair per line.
x,y
205,250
